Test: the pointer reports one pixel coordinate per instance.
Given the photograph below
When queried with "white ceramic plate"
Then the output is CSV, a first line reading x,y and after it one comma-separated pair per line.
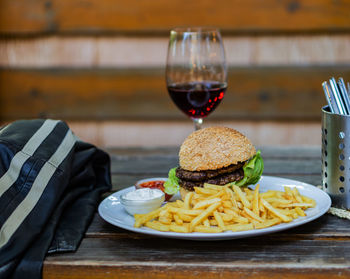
x,y
113,212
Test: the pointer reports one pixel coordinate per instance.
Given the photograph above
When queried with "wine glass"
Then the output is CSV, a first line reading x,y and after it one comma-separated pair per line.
x,y
196,73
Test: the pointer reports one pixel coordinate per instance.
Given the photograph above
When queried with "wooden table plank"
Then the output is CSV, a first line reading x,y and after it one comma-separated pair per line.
x,y
267,151
121,181
258,250
285,162
153,166
130,165
166,270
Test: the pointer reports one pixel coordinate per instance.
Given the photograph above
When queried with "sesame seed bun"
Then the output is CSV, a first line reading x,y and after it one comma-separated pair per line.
x,y
214,148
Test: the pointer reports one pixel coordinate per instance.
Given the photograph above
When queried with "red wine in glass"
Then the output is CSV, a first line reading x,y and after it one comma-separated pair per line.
x,y
196,72
197,99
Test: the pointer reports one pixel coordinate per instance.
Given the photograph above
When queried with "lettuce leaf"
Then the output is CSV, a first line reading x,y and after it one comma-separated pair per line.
x,y
253,170
171,186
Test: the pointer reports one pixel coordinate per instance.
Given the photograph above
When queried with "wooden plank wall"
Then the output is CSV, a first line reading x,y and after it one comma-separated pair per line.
x,y
99,65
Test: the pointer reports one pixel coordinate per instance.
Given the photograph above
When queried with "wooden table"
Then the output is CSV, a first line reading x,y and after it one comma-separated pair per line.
x,y
320,249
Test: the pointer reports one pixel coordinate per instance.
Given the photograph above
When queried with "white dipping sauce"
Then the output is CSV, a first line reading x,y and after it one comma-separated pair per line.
x,y
143,194
142,201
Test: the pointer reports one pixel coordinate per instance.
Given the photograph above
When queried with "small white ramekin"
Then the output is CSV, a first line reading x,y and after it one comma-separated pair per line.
x,y
142,206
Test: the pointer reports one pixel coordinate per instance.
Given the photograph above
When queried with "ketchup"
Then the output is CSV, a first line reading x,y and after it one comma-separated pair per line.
x,y
156,184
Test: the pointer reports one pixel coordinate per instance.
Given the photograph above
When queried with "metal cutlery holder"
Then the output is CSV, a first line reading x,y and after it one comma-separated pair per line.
x,y
336,157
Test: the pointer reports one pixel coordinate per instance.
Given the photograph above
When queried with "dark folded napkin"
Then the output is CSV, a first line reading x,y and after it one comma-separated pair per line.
x,y
50,186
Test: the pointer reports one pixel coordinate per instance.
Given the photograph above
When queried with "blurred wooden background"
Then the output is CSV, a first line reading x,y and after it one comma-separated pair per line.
x,y
99,65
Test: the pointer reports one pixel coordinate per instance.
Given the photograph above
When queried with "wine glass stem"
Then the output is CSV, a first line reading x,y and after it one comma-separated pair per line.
x,y
197,123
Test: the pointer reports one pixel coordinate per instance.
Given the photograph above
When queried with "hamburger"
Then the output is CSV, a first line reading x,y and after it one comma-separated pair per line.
x,y
215,155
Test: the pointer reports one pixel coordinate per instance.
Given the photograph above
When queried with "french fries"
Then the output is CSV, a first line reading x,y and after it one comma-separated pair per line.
x,y
215,209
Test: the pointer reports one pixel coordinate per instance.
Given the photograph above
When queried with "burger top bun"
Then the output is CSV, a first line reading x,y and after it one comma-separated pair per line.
x,y
213,148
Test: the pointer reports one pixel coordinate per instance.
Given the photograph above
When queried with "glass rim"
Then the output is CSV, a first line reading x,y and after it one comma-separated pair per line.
x,y
195,29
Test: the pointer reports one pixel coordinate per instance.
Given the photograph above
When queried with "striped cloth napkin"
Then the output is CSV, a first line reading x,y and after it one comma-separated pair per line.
x,y
50,185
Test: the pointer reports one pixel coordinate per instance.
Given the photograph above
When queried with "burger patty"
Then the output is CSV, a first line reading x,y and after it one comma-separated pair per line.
x,y
236,175
206,174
